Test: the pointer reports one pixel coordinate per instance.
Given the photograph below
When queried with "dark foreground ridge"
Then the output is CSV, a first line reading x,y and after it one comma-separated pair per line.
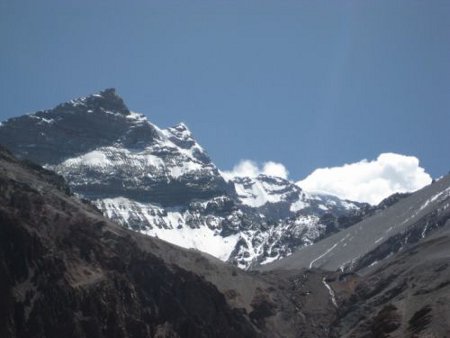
x,y
66,271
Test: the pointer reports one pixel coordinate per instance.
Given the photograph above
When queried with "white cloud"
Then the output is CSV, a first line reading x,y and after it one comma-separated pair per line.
x,y
248,168
275,169
369,181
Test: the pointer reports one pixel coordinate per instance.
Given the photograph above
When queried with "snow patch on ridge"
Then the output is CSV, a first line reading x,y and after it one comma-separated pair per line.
x,y
202,238
254,193
170,226
164,157
94,158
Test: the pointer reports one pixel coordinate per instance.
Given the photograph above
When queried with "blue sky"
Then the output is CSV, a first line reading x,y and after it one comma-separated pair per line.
x,y
306,83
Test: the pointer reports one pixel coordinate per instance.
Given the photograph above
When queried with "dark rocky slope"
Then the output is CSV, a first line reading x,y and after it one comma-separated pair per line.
x,y
392,274
66,271
408,295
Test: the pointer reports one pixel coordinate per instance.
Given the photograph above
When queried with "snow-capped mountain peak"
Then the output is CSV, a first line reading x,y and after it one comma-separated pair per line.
x,y
162,182
106,100
182,137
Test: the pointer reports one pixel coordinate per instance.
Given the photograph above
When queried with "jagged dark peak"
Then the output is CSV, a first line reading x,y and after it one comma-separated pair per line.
x,y
269,183
182,137
264,178
105,100
181,131
109,92
392,199
181,127
275,180
76,127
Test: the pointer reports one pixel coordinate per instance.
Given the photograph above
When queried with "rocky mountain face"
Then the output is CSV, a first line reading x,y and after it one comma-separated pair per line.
x,y
67,271
162,183
405,295
105,150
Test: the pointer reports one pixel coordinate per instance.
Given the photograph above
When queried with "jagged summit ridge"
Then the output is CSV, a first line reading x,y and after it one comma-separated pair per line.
x,y
107,99
75,128
128,155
